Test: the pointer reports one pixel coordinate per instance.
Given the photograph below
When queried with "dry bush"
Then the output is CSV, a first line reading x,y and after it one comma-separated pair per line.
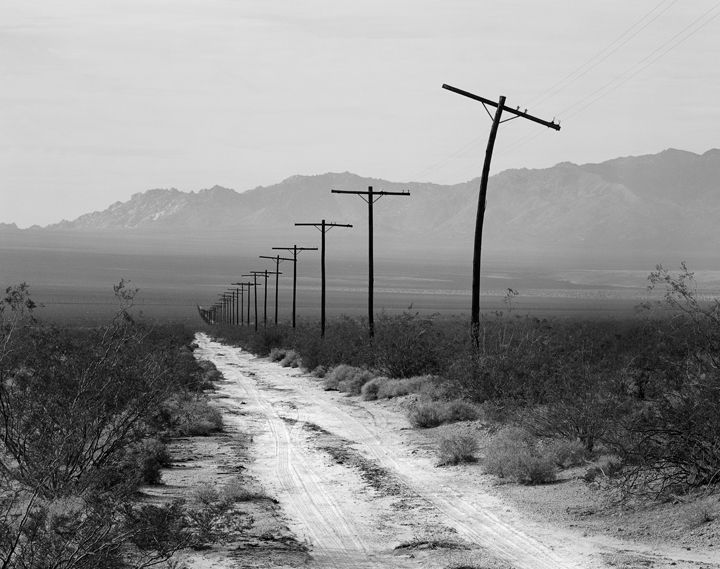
x,y
405,345
406,386
348,379
607,467
291,359
277,354
459,410
433,413
456,449
234,490
369,391
565,453
319,371
426,415
513,453
193,415
206,494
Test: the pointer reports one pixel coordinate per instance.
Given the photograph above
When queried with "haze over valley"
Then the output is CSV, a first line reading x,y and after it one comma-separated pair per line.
x,y
587,234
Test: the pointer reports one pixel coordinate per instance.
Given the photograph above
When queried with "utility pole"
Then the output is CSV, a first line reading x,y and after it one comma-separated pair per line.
x,y
499,108
226,308
242,294
324,227
230,302
370,197
295,249
253,284
277,259
264,274
249,284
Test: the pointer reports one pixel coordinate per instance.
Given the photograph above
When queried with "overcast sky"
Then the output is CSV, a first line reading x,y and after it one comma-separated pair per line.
x,y
101,99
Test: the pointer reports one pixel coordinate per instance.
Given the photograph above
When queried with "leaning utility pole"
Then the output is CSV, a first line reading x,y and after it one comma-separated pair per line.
x,y
324,228
295,249
500,107
370,197
277,259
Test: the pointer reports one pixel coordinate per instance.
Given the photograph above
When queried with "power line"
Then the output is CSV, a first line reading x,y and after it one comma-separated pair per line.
x,y
632,31
606,52
663,49
659,52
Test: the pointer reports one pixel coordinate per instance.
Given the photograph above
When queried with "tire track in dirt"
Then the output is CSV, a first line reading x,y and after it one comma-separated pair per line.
x,y
473,522
304,490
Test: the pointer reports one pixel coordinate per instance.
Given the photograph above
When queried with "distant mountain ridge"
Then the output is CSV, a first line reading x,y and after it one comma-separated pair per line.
x,y
665,201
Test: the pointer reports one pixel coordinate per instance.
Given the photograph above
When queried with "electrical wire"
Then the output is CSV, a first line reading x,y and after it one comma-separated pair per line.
x,y
632,31
606,52
666,47
646,62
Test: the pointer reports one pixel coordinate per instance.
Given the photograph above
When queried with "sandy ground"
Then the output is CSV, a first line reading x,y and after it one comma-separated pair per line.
x,y
356,487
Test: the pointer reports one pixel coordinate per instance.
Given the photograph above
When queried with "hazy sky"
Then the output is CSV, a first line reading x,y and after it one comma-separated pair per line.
x,y
100,99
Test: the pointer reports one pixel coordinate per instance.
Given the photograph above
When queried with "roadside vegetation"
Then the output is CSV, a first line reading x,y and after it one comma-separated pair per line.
x,y
635,400
84,417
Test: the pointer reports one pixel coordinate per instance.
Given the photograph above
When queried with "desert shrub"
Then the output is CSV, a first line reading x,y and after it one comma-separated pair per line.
x,y
405,386
161,528
353,385
146,460
564,452
513,453
405,345
192,415
584,408
77,406
369,390
291,359
459,410
672,437
674,442
426,415
433,413
348,379
206,494
234,490
345,342
607,467
319,371
277,354
457,448
386,388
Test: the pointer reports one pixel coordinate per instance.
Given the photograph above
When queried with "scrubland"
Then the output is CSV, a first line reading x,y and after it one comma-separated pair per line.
x,y
632,401
85,414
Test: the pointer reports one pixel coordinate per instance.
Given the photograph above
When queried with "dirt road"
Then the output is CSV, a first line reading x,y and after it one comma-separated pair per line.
x,y
363,490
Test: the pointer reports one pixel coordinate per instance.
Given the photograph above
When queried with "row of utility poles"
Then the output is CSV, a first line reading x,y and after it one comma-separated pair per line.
x,y
228,308
220,311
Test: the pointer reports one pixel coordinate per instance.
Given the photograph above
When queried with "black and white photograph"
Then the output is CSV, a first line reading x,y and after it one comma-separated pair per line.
x,y
359,285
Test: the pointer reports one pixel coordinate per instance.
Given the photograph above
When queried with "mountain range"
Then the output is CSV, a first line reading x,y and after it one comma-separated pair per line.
x,y
646,205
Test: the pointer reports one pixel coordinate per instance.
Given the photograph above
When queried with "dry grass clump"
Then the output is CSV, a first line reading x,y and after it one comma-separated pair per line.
x,y
514,453
193,416
291,359
459,410
347,379
434,413
426,415
607,466
387,388
457,448
566,453
277,354
285,357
